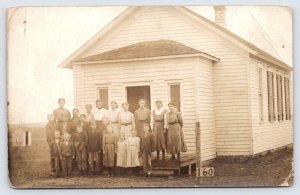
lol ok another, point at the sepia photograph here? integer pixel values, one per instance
(150, 96)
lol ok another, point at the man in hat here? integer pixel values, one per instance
(60, 114)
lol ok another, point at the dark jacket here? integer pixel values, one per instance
(67, 150)
(55, 148)
(94, 140)
(147, 144)
(80, 140)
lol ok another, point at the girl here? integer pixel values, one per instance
(126, 120)
(133, 149)
(109, 145)
(121, 153)
(175, 139)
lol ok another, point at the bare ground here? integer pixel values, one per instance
(29, 168)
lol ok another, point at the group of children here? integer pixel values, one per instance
(102, 139)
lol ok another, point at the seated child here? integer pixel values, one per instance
(121, 154)
(67, 152)
(80, 139)
(147, 146)
(109, 145)
(50, 129)
(93, 148)
(55, 153)
(133, 149)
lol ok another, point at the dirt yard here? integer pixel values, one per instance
(29, 167)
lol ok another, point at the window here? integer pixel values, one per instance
(103, 96)
(271, 98)
(287, 99)
(175, 95)
(279, 98)
(260, 95)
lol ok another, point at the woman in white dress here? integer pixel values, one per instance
(114, 119)
(126, 121)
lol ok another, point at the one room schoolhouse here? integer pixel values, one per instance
(240, 94)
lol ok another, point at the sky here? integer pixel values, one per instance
(51, 34)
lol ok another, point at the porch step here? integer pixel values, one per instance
(162, 173)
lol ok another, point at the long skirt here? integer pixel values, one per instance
(126, 130)
(132, 156)
(159, 135)
(121, 155)
(116, 130)
(174, 138)
(109, 155)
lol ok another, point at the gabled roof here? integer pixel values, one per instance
(147, 49)
(223, 32)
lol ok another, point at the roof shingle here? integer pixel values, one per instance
(143, 50)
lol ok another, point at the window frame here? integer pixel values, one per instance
(287, 96)
(271, 111)
(175, 82)
(98, 87)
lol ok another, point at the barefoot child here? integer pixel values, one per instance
(147, 147)
(121, 154)
(55, 153)
(50, 129)
(80, 139)
(109, 145)
(133, 149)
(67, 152)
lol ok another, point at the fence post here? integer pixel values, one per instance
(198, 147)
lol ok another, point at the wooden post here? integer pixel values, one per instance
(198, 146)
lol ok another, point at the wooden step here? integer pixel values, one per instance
(162, 173)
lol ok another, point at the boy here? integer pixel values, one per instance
(146, 148)
(93, 148)
(55, 153)
(67, 152)
(80, 139)
(61, 113)
(83, 123)
(50, 129)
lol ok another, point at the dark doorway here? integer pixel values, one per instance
(135, 93)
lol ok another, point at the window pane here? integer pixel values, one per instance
(175, 95)
(103, 96)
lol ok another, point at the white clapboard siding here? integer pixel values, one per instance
(267, 135)
(144, 72)
(205, 98)
(229, 81)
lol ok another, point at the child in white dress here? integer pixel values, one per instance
(121, 154)
(133, 149)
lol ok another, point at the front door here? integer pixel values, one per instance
(135, 93)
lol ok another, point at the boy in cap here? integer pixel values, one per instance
(67, 152)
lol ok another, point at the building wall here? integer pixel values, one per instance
(268, 135)
(230, 74)
(157, 74)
